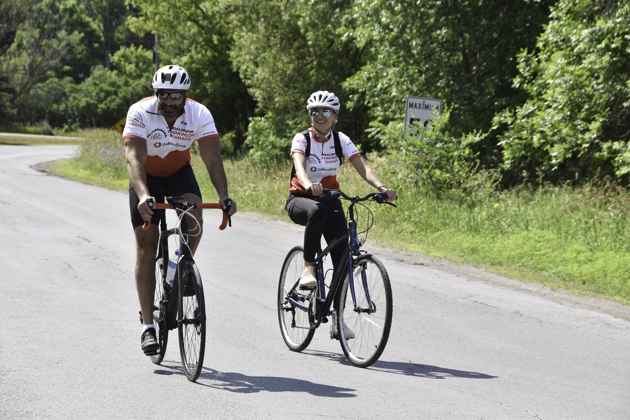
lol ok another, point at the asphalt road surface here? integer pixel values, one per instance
(459, 348)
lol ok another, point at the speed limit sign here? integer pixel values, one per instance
(420, 113)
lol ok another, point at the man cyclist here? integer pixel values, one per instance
(158, 135)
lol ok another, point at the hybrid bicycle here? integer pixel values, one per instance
(358, 297)
(180, 304)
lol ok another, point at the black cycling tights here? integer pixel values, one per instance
(319, 216)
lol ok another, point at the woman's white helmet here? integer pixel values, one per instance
(323, 98)
(171, 77)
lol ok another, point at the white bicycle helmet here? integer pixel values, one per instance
(323, 98)
(171, 77)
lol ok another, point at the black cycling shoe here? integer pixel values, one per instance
(149, 343)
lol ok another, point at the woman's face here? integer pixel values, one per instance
(323, 119)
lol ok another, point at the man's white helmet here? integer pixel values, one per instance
(323, 98)
(171, 77)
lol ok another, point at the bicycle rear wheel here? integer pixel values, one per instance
(371, 319)
(191, 321)
(294, 324)
(161, 332)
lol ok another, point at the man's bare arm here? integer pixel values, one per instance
(210, 152)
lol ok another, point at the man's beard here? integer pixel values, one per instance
(174, 113)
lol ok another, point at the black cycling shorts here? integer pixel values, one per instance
(176, 185)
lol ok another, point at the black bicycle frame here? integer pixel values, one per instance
(172, 295)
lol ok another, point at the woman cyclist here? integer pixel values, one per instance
(316, 155)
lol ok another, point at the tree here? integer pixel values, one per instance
(460, 51)
(576, 121)
(285, 51)
(110, 16)
(43, 48)
(195, 35)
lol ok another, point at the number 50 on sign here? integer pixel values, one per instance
(420, 113)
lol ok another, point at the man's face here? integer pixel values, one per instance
(171, 101)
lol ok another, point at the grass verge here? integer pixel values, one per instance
(37, 140)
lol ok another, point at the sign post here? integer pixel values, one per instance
(420, 112)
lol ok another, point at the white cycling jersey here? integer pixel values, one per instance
(322, 164)
(168, 150)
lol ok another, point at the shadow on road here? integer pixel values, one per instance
(405, 368)
(237, 382)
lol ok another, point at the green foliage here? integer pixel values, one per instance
(284, 51)
(433, 160)
(577, 120)
(459, 51)
(265, 145)
(196, 35)
(103, 152)
(104, 98)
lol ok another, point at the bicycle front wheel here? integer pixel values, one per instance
(368, 315)
(161, 332)
(191, 322)
(293, 303)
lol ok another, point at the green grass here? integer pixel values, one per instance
(26, 140)
(568, 238)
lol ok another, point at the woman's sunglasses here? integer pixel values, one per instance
(325, 113)
(174, 95)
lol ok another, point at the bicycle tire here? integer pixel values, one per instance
(161, 332)
(371, 329)
(294, 322)
(191, 323)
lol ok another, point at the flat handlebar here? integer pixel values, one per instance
(378, 197)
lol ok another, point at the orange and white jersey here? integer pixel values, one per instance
(322, 164)
(168, 150)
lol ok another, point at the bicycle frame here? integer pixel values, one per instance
(170, 310)
(351, 254)
(185, 255)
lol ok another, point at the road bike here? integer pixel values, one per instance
(358, 297)
(181, 304)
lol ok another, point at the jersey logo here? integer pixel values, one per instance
(157, 134)
(313, 160)
(135, 116)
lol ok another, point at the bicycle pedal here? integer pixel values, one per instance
(307, 287)
(151, 353)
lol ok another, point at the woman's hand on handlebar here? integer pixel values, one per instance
(391, 194)
(316, 189)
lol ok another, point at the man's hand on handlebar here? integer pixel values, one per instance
(228, 205)
(145, 207)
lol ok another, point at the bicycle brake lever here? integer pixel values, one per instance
(147, 223)
(228, 207)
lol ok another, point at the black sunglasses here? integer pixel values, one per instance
(174, 95)
(325, 113)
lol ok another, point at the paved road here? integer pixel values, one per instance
(459, 349)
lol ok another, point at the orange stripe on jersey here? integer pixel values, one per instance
(131, 136)
(173, 162)
(212, 136)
